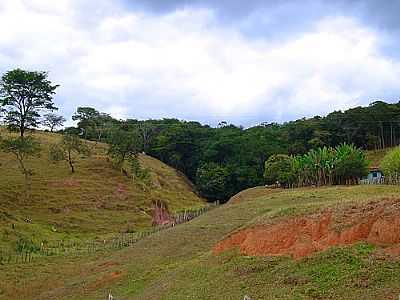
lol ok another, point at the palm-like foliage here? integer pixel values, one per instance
(322, 166)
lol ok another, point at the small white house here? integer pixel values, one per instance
(375, 175)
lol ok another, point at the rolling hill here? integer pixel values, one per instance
(182, 262)
(94, 202)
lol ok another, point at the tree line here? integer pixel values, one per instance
(221, 160)
(226, 159)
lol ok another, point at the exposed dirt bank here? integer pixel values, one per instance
(377, 223)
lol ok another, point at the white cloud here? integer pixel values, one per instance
(133, 64)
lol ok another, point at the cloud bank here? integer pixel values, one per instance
(183, 61)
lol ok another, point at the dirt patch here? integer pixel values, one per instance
(160, 214)
(121, 191)
(65, 183)
(106, 280)
(393, 251)
(377, 223)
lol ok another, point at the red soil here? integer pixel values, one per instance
(106, 280)
(377, 223)
(121, 191)
(160, 215)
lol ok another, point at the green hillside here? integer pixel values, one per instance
(375, 156)
(96, 201)
(179, 263)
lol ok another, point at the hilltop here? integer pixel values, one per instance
(96, 201)
(182, 262)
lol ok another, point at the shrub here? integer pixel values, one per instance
(390, 164)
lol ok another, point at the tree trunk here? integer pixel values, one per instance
(70, 162)
(383, 137)
(27, 185)
(391, 134)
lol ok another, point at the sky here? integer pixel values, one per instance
(244, 62)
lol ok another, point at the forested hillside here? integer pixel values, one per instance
(225, 160)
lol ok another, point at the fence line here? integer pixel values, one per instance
(382, 180)
(372, 181)
(28, 253)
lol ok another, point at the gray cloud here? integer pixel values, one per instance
(244, 62)
(277, 20)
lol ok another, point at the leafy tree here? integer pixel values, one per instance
(24, 95)
(351, 164)
(123, 145)
(390, 165)
(66, 150)
(278, 168)
(22, 149)
(53, 121)
(92, 123)
(146, 130)
(138, 172)
(179, 144)
(211, 180)
(71, 131)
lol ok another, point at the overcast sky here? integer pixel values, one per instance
(208, 60)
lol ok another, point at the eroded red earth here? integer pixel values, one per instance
(376, 222)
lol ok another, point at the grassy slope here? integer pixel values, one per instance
(178, 264)
(95, 201)
(375, 156)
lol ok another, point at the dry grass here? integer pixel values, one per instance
(95, 201)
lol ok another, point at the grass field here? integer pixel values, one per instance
(94, 202)
(178, 263)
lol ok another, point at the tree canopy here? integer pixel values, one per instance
(322, 150)
(53, 121)
(23, 95)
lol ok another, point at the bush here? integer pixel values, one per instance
(390, 164)
(211, 181)
(278, 168)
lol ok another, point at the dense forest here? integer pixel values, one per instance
(224, 160)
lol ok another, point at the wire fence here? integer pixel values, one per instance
(30, 252)
(381, 180)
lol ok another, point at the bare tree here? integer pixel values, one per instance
(66, 150)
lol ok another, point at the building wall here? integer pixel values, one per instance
(375, 175)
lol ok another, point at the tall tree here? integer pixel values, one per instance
(124, 145)
(24, 95)
(53, 121)
(92, 123)
(146, 130)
